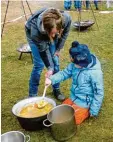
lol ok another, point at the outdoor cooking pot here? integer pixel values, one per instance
(14, 136)
(62, 122)
(35, 123)
(83, 25)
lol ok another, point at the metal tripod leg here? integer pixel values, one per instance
(5, 18)
(20, 56)
(94, 15)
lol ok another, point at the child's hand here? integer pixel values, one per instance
(47, 82)
(49, 73)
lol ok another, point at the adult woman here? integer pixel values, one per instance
(46, 32)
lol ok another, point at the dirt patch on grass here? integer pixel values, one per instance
(15, 7)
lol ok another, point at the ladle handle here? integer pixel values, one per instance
(44, 91)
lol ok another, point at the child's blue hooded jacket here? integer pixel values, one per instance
(87, 85)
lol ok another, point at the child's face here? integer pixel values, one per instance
(77, 66)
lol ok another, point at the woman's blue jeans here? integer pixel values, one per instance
(39, 66)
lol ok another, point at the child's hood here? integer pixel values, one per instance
(95, 64)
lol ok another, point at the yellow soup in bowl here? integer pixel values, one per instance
(32, 110)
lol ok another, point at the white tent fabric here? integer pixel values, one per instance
(109, 3)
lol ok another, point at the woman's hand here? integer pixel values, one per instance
(57, 53)
(48, 73)
(47, 82)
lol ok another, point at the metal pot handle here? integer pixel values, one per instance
(27, 137)
(44, 123)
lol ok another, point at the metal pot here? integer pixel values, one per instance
(62, 122)
(14, 136)
(30, 124)
(83, 25)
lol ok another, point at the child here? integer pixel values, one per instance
(87, 82)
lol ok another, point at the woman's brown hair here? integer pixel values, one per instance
(52, 18)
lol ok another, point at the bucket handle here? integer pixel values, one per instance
(47, 125)
(27, 138)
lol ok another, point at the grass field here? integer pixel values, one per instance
(15, 76)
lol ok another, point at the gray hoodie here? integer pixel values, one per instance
(36, 33)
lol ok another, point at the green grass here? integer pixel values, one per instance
(16, 73)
